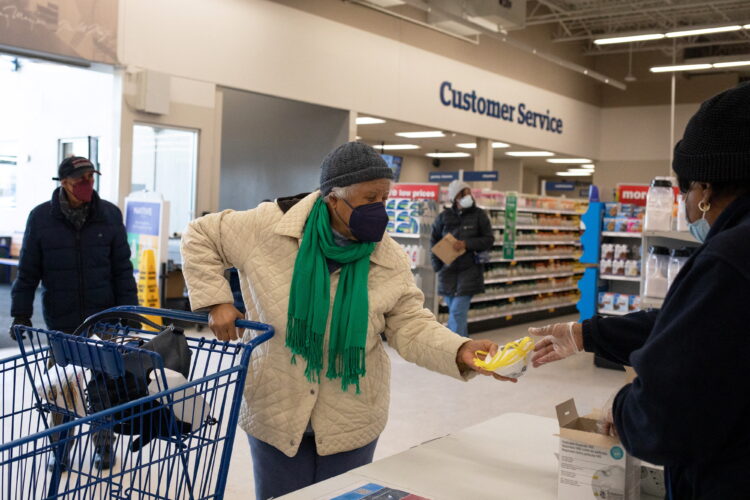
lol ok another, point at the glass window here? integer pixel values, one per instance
(164, 161)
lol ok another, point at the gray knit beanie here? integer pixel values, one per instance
(352, 163)
(455, 187)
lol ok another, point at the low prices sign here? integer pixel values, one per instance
(635, 194)
(416, 191)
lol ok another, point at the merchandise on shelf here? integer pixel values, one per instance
(487, 310)
(623, 217)
(677, 259)
(529, 268)
(656, 281)
(660, 204)
(618, 303)
(620, 260)
(407, 216)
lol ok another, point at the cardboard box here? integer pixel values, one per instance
(444, 250)
(593, 465)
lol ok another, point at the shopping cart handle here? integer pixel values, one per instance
(189, 316)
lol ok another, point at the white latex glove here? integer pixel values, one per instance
(606, 423)
(559, 341)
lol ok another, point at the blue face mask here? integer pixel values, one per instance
(699, 229)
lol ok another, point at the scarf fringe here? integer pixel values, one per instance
(300, 340)
(349, 365)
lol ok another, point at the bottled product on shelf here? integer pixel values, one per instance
(660, 202)
(656, 280)
(677, 259)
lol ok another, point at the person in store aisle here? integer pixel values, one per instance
(317, 393)
(464, 277)
(76, 246)
(687, 409)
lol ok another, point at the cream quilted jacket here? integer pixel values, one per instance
(279, 401)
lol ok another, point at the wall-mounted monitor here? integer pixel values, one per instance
(395, 163)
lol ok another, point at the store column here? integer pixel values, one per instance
(511, 175)
(483, 160)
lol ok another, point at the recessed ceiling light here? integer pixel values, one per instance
(703, 31)
(529, 153)
(583, 171)
(421, 135)
(628, 39)
(573, 174)
(368, 120)
(590, 166)
(569, 160)
(359, 138)
(395, 147)
(473, 145)
(448, 155)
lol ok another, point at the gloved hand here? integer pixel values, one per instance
(560, 341)
(19, 321)
(606, 423)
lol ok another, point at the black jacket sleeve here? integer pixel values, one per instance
(615, 338)
(437, 235)
(690, 397)
(485, 239)
(126, 292)
(29, 272)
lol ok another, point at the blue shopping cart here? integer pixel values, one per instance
(165, 404)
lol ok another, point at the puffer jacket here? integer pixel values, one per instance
(82, 271)
(463, 276)
(279, 401)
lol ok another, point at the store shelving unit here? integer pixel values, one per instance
(669, 239)
(515, 293)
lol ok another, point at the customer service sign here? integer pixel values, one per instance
(516, 112)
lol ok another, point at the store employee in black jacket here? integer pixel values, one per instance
(689, 407)
(76, 245)
(464, 277)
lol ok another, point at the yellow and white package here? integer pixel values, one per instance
(510, 361)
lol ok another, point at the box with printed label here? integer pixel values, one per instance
(593, 465)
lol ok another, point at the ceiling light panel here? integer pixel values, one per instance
(368, 120)
(448, 155)
(577, 161)
(629, 39)
(529, 154)
(421, 135)
(679, 67)
(395, 147)
(703, 31)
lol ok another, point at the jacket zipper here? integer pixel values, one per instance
(79, 268)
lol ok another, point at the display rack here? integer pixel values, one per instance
(668, 239)
(540, 278)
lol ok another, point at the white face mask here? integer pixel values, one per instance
(466, 202)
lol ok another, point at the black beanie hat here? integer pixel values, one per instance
(716, 144)
(352, 163)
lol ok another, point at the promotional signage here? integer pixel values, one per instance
(481, 175)
(442, 176)
(635, 194)
(509, 235)
(416, 191)
(145, 223)
(520, 113)
(560, 186)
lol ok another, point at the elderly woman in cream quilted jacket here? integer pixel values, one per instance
(321, 271)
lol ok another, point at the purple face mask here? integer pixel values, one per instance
(368, 222)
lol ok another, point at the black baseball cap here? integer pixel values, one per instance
(74, 166)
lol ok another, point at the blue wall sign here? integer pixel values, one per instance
(481, 175)
(560, 186)
(443, 176)
(519, 114)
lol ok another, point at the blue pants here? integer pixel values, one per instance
(458, 305)
(277, 474)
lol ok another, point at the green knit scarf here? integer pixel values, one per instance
(309, 302)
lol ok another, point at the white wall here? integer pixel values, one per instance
(41, 104)
(264, 47)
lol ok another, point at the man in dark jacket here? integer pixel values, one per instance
(464, 277)
(76, 245)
